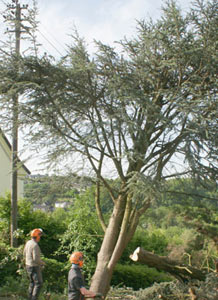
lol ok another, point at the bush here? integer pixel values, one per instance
(12, 267)
(137, 276)
(14, 287)
(83, 233)
(151, 241)
(10, 262)
(55, 276)
(5, 206)
(52, 227)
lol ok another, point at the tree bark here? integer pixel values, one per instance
(162, 263)
(101, 279)
(119, 232)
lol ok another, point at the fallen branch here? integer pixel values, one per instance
(162, 263)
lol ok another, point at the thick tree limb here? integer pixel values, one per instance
(98, 207)
(163, 263)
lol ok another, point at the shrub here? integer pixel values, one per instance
(137, 276)
(55, 276)
(52, 227)
(12, 267)
(10, 262)
(14, 287)
(151, 241)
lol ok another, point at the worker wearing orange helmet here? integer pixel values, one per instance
(34, 264)
(76, 285)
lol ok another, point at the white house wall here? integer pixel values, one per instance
(5, 171)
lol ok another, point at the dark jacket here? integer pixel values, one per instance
(75, 283)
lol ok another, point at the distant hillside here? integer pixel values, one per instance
(48, 190)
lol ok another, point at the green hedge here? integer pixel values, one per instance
(11, 266)
(55, 276)
(137, 276)
(10, 262)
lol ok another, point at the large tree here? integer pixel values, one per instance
(144, 114)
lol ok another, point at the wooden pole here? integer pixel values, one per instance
(14, 181)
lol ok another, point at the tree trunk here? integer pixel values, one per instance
(102, 277)
(119, 232)
(163, 263)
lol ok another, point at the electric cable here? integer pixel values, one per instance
(53, 37)
(49, 42)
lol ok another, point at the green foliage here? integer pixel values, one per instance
(5, 208)
(83, 232)
(14, 287)
(53, 230)
(137, 276)
(162, 230)
(135, 110)
(164, 112)
(53, 227)
(189, 192)
(174, 234)
(12, 269)
(160, 216)
(50, 189)
(11, 262)
(53, 224)
(153, 240)
(55, 275)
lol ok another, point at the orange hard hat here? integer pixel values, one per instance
(36, 233)
(77, 258)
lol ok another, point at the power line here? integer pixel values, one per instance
(52, 36)
(49, 42)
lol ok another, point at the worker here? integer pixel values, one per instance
(76, 285)
(34, 264)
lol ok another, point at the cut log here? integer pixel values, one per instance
(163, 263)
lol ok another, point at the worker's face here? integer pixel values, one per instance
(38, 238)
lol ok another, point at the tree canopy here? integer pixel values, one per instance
(144, 114)
(138, 111)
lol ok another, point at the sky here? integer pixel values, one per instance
(102, 20)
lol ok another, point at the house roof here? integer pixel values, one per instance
(10, 148)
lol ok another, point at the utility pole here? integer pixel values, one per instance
(14, 16)
(15, 8)
(14, 158)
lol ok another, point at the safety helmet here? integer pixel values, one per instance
(36, 233)
(77, 258)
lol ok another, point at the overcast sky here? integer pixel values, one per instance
(104, 20)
